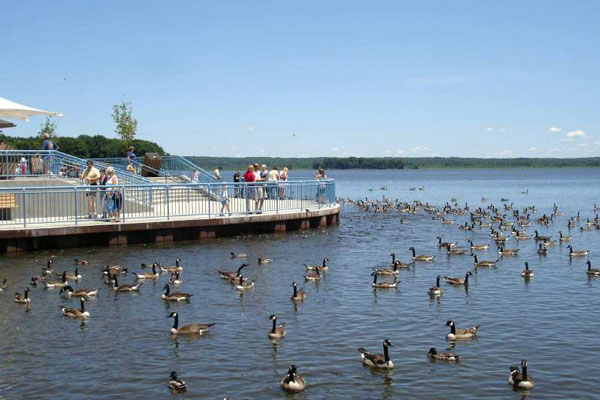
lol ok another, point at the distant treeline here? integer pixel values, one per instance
(231, 163)
(86, 146)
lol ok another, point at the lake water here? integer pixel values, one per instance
(125, 349)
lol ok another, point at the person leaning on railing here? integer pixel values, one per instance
(91, 176)
(321, 186)
(48, 144)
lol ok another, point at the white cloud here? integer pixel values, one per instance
(501, 130)
(387, 152)
(400, 152)
(574, 134)
(489, 129)
(417, 149)
(554, 129)
(334, 149)
(533, 148)
(250, 128)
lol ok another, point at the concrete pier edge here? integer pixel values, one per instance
(49, 237)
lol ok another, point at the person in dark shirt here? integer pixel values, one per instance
(48, 144)
(236, 188)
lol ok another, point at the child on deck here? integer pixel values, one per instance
(224, 198)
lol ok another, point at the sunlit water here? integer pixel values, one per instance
(125, 349)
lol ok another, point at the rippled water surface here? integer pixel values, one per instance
(125, 349)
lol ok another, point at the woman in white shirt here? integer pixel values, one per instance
(115, 199)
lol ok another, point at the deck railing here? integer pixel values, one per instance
(26, 206)
(52, 163)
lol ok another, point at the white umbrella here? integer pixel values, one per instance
(10, 109)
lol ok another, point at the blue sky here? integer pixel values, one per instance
(366, 78)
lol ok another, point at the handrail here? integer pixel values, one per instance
(54, 162)
(178, 165)
(122, 162)
(150, 202)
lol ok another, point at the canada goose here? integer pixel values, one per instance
(81, 262)
(147, 275)
(238, 255)
(482, 246)
(188, 329)
(115, 270)
(564, 238)
(126, 288)
(75, 313)
(527, 273)
(384, 285)
(483, 263)
(459, 281)
(455, 251)
(176, 385)
(71, 276)
(460, 334)
(434, 355)
(299, 294)
(59, 284)
(323, 267)
(232, 274)
(549, 243)
(23, 298)
(436, 290)
(380, 361)
(541, 238)
(507, 252)
(172, 268)
(445, 244)
(265, 260)
(542, 250)
(420, 257)
(48, 270)
(520, 380)
(313, 275)
(292, 382)
(277, 331)
(390, 271)
(592, 271)
(174, 296)
(175, 279)
(4, 284)
(244, 284)
(79, 292)
(577, 253)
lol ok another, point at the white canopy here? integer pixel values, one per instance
(10, 109)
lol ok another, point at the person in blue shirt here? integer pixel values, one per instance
(48, 144)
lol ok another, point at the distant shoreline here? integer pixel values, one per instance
(398, 163)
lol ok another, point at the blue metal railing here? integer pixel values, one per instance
(121, 163)
(19, 163)
(151, 202)
(180, 166)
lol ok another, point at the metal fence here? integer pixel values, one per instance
(25, 206)
(52, 163)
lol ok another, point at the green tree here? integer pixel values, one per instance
(126, 125)
(48, 127)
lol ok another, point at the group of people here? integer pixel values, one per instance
(111, 199)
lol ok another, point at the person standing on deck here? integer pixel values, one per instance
(91, 176)
(217, 173)
(283, 177)
(48, 144)
(236, 187)
(249, 178)
(103, 197)
(272, 185)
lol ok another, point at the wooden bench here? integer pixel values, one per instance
(7, 203)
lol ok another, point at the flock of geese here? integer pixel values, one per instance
(504, 223)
